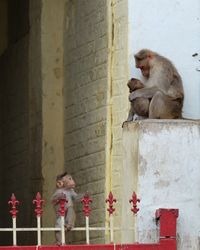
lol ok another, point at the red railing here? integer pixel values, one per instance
(166, 219)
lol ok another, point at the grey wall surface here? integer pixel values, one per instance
(20, 121)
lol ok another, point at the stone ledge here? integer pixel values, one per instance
(161, 121)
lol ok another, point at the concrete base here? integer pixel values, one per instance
(162, 164)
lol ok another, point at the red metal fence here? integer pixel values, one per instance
(166, 218)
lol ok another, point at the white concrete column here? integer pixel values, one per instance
(162, 165)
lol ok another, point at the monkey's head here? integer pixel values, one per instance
(143, 61)
(68, 182)
(134, 84)
(59, 180)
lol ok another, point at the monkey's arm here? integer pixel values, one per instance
(145, 93)
(57, 196)
(76, 197)
(70, 218)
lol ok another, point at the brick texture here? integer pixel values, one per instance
(86, 76)
(96, 72)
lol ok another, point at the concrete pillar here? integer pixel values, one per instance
(161, 163)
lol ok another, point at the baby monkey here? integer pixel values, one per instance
(65, 190)
(140, 106)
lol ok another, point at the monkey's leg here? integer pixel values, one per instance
(58, 238)
(130, 114)
(141, 107)
(164, 107)
(70, 218)
(58, 233)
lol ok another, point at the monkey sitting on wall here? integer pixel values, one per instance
(140, 106)
(163, 85)
(65, 190)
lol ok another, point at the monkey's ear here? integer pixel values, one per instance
(59, 184)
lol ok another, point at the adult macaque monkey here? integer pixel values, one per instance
(163, 85)
(140, 106)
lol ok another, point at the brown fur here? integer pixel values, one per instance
(140, 106)
(163, 85)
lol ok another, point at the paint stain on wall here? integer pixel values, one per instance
(161, 184)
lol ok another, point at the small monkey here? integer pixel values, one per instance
(140, 106)
(65, 190)
(163, 85)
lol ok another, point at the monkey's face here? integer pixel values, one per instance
(68, 182)
(145, 71)
(132, 84)
(143, 65)
(142, 61)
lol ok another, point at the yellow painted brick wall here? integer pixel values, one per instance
(96, 100)
(86, 77)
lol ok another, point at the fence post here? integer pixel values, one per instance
(167, 219)
(86, 200)
(111, 200)
(14, 202)
(38, 211)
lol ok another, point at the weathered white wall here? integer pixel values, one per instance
(165, 173)
(172, 29)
